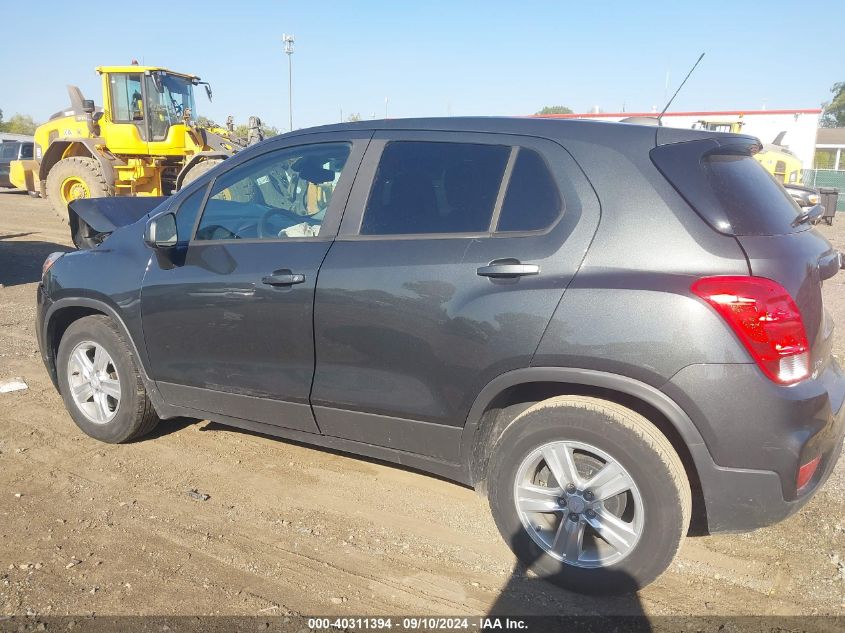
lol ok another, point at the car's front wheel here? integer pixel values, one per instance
(100, 382)
(589, 494)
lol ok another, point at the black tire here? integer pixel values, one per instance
(85, 169)
(134, 415)
(635, 444)
(199, 169)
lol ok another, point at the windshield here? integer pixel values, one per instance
(8, 151)
(169, 98)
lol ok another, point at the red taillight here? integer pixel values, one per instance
(766, 320)
(806, 472)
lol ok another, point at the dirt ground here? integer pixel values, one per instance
(89, 528)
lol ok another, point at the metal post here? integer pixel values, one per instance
(288, 40)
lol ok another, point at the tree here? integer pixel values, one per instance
(834, 112)
(554, 110)
(18, 124)
(355, 116)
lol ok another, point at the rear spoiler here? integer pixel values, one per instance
(93, 219)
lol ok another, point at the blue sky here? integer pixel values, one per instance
(433, 58)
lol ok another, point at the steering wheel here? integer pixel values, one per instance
(265, 229)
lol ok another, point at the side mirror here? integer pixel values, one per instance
(161, 231)
(88, 106)
(97, 116)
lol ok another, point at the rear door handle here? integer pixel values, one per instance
(504, 268)
(283, 278)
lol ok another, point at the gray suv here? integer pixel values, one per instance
(609, 329)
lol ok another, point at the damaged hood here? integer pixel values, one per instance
(93, 219)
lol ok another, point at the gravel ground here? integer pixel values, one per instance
(89, 528)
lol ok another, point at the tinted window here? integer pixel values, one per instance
(283, 194)
(754, 202)
(423, 187)
(8, 151)
(532, 201)
(26, 150)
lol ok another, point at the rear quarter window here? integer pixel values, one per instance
(532, 202)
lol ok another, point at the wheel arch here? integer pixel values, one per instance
(66, 311)
(86, 147)
(508, 395)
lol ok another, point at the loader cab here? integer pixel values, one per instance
(149, 109)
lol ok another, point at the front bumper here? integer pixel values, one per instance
(756, 437)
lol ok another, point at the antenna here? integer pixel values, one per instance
(679, 88)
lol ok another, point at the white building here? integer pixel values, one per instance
(799, 126)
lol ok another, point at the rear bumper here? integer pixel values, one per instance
(757, 435)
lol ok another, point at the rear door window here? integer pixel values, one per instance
(435, 188)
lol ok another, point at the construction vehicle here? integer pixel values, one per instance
(143, 141)
(774, 157)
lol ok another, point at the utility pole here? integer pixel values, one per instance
(288, 40)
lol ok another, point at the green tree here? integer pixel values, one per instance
(834, 111)
(2, 125)
(20, 124)
(554, 110)
(355, 116)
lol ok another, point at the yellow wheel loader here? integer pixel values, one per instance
(785, 166)
(143, 141)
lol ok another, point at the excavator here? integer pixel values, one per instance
(143, 141)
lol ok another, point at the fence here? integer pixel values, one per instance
(827, 178)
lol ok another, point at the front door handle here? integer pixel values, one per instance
(504, 268)
(283, 278)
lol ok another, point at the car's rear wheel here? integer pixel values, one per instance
(100, 382)
(589, 494)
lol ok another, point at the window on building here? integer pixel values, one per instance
(825, 159)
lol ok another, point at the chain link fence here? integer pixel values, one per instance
(827, 178)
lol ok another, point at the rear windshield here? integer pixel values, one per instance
(752, 199)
